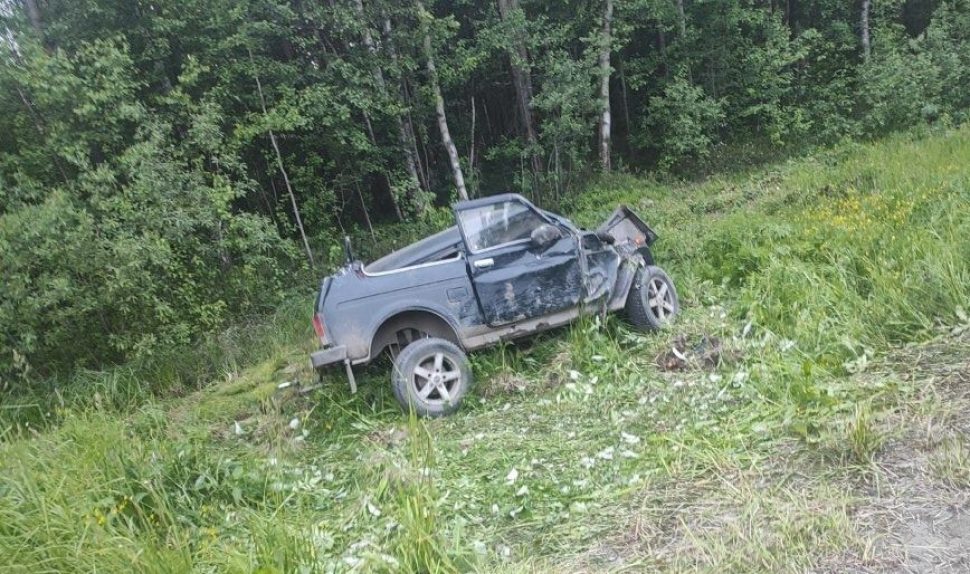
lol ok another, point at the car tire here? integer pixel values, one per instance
(431, 376)
(644, 308)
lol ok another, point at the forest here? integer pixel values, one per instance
(171, 167)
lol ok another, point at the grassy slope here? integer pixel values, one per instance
(576, 451)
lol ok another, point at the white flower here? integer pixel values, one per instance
(629, 438)
(295, 423)
(606, 453)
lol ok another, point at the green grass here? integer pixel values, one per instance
(575, 452)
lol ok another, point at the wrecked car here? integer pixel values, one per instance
(506, 270)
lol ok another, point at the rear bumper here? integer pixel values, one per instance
(328, 356)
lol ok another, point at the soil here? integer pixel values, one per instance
(924, 513)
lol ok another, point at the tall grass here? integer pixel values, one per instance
(817, 266)
(869, 252)
(167, 372)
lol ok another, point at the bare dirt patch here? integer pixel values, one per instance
(919, 511)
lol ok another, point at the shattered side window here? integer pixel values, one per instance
(498, 223)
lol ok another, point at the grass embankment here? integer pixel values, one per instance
(801, 433)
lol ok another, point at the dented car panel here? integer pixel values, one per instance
(520, 282)
(506, 270)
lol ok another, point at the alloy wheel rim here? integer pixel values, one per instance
(435, 379)
(660, 299)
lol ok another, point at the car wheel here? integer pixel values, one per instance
(431, 376)
(652, 302)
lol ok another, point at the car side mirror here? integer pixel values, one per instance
(545, 235)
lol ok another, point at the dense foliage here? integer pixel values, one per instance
(163, 164)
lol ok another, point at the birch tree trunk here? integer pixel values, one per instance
(866, 43)
(605, 116)
(279, 163)
(522, 80)
(439, 106)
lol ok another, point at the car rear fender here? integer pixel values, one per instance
(426, 319)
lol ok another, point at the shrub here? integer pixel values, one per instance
(682, 124)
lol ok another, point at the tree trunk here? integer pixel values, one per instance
(363, 205)
(279, 163)
(439, 106)
(471, 144)
(33, 14)
(413, 180)
(623, 97)
(384, 174)
(682, 24)
(412, 138)
(605, 117)
(681, 18)
(522, 80)
(866, 44)
(662, 43)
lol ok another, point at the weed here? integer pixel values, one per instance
(864, 439)
(950, 462)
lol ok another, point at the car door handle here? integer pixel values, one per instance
(483, 263)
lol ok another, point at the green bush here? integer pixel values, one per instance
(682, 124)
(127, 243)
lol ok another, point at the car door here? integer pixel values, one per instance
(515, 277)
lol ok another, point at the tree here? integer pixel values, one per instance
(605, 70)
(404, 141)
(279, 163)
(522, 78)
(439, 102)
